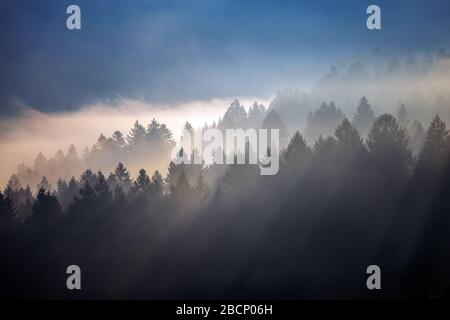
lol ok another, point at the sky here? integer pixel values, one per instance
(173, 52)
(186, 60)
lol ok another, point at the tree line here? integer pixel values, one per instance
(338, 205)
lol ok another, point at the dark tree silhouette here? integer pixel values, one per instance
(364, 117)
(388, 147)
(323, 121)
(337, 205)
(123, 177)
(274, 121)
(157, 184)
(298, 154)
(85, 201)
(46, 209)
(435, 147)
(104, 195)
(142, 184)
(7, 213)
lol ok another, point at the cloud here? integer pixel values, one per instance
(178, 51)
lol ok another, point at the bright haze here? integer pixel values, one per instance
(180, 61)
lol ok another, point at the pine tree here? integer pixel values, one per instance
(40, 163)
(388, 146)
(273, 121)
(119, 140)
(153, 132)
(324, 148)
(72, 164)
(7, 214)
(101, 142)
(21, 198)
(187, 137)
(13, 183)
(123, 177)
(25, 173)
(173, 172)
(435, 147)
(88, 176)
(104, 194)
(159, 136)
(136, 135)
(142, 183)
(72, 155)
(157, 184)
(348, 138)
(44, 184)
(364, 117)
(62, 190)
(72, 188)
(428, 208)
(323, 121)
(350, 155)
(12, 190)
(60, 158)
(46, 209)
(167, 136)
(256, 115)
(61, 186)
(188, 127)
(234, 117)
(85, 201)
(112, 181)
(87, 192)
(298, 153)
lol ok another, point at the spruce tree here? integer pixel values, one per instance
(435, 147)
(364, 117)
(123, 177)
(46, 209)
(136, 135)
(103, 193)
(298, 153)
(142, 183)
(388, 146)
(157, 184)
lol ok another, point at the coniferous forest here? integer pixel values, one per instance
(376, 191)
(314, 139)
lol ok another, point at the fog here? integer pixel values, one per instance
(424, 87)
(420, 82)
(24, 136)
(357, 191)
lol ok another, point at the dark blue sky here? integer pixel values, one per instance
(174, 51)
